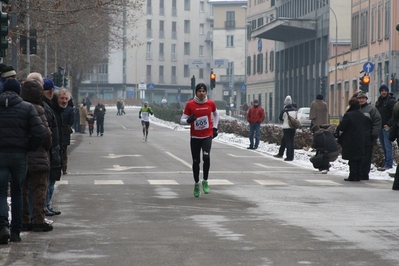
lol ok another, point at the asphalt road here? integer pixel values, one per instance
(130, 202)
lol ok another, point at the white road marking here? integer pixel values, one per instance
(270, 182)
(178, 159)
(113, 156)
(122, 168)
(108, 182)
(162, 182)
(219, 182)
(244, 156)
(62, 182)
(324, 182)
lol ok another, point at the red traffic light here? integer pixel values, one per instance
(366, 80)
(391, 81)
(213, 76)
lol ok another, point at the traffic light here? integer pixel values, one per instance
(394, 82)
(213, 80)
(3, 33)
(323, 85)
(364, 83)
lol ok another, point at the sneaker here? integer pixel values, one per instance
(205, 187)
(47, 212)
(250, 148)
(44, 227)
(15, 237)
(255, 147)
(324, 171)
(197, 190)
(278, 156)
(287, 159)
(102, 134)
(4, 235)
(48, 221)
(53, 211)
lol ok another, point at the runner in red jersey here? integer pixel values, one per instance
(203, 116)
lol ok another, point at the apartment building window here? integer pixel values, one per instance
(186, 48)
(162, 29)
(173, 52)
(230, 68)
(355, 31)
(201, 73)
(201, 50)
(148, 53)
(249, 29)
(363, 28)
(230, 41)
(148, 74)
(201, 29)
(248, 66)
(161, 7)
(187, 5)
(259, 67)
(254, 65)
(379, 22)
(253, 24)
(266, 62)
(387, 19)
(186, 71)
(161, 51)
(260, 21)
(372, 29)
(161, 75)
(230, 19)
(149, 28)
(201, 7)
(149, 7)
(271, 67)
(174, 31)
(174, 8)
(173, 77)
(187, 26)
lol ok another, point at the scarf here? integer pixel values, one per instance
(197, 100)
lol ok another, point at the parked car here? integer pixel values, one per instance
(303, 116)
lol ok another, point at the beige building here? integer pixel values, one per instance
(373, 39)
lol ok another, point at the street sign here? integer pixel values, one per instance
(220, 63)
(368, 67)
(142, 86)
(230, 85)
(197, 63)
(243, 87)
(150, 86)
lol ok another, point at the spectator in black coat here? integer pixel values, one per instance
(21, 130)
(352, 138)
(68, 118)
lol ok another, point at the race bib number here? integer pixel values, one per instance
(201, 123)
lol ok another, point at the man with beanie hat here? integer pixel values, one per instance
(385, 105)
(203, 117)
(21, 130)
(8, 72)
(318, 113)
(372, 129)
(255, 117)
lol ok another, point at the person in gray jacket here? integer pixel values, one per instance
(21, 130)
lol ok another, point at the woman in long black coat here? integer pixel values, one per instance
(352, 138)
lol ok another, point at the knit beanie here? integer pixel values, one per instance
(8, 71)
(319, 97)
(12, 85)
(384, 87)
(200, 86)
(288, 100)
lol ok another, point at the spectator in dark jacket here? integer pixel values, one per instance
(99, 114)
(385, 105)
(21, 129)
(325, 145)
(352, 138)
(372, 129)
(289, 133)
(38, 166)
(68, 118)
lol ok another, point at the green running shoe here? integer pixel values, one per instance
(197, 190)
(205, 187)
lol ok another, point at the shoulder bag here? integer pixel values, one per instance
(293, 122)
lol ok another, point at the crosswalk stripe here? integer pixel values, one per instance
(62, 182)
(270, 182)
(108, 182)
(324, 182)
(163, 182)
(219, 182)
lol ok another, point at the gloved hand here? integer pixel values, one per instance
(215, 132)
(336, 134)
(191, 119)
(140, 116)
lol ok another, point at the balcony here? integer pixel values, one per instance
(286, 29)
(225, 79)
(229, 24)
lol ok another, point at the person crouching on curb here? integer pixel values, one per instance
(203, 117)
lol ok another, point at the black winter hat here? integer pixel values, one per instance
(12, 85)
(200, 86)
(319, 97)
(384, 87)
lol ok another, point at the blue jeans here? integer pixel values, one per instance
(386, 145)
(13, 167)
(50, 191)
(254, 128)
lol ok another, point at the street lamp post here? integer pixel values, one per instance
(136, 59)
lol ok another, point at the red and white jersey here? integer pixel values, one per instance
(202, 127)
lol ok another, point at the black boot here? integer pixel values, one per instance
(395, 185)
